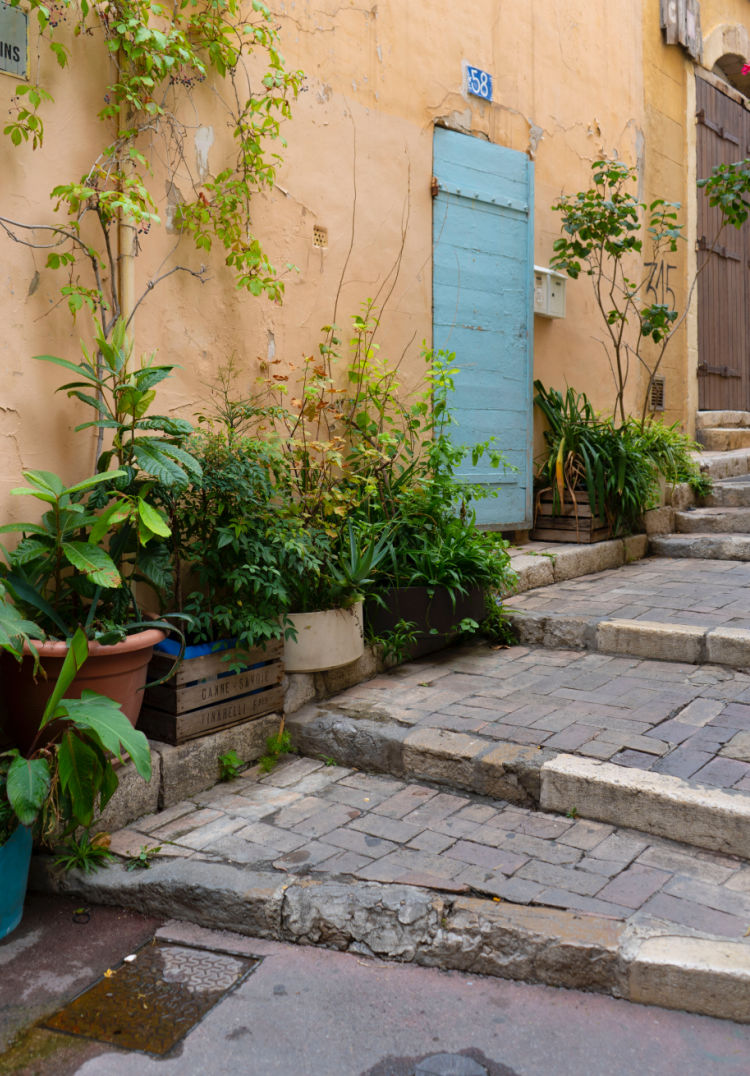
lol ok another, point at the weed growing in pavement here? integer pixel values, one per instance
(230, 766)
(142, 861)
(276, 747)
(84, 853)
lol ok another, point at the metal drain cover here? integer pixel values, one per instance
(153, 999)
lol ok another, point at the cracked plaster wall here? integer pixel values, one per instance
(572, 80)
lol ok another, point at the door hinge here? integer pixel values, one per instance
(705, 368)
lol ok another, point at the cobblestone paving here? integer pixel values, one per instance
(307, 817)
(708, 593)
(691, 721)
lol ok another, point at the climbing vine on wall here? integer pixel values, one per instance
(159, 55)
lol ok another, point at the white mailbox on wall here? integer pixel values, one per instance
(549, 292)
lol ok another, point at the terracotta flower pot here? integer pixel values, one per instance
(118, 671)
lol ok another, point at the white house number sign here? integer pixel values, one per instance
(14, 40)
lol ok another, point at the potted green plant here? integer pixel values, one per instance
(374, 478)
(98, 539)
(66, 774)
(596, 479)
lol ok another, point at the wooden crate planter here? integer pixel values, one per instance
(204, 695)
(569, 523)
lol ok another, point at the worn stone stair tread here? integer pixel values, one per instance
(722, 520)
(686, 809)
(723, 439)
(726, 464)
(729, 493)
(538, 564)
(707, 546)
(708, 419)
(667, 925)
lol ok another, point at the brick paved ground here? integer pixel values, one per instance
(691, 721)
(709, 593)
(308, 817)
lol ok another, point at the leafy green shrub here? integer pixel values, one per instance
(616, 467)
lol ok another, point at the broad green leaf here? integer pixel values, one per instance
(110, 518)
(96, 565)
(78, 651)
(32, 528)
(153, 519)
(104, 717)
(45, 480)
(136, 402)
(184, 458)
(80, 772)
(77, 368)
(27, 787)
(153, 460)
(27, 594)
(95, 480)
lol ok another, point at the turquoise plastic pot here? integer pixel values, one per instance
(15, 857)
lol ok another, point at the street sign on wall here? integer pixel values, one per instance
(14, 40)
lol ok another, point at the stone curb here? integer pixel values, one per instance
(713, 520)
(180, 772)
(658, 804)
(702, 546)
(506, 771)
(654, 803)
(433, 929)
(695, 644)
(556, 563)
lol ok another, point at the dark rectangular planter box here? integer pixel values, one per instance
(431, 609)
(204, 695)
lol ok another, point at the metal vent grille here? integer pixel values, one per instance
(320, 236)
(657, 394)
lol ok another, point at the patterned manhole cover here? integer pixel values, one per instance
(153, 999)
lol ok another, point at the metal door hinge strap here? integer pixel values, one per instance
(722, 132)
(703, 244)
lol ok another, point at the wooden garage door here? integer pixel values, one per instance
(723, 136)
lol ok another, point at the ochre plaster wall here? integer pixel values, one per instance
(573, 81)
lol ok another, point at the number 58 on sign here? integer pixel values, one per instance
(478, 82)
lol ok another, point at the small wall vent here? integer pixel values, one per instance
(320, 236)
(657, 394)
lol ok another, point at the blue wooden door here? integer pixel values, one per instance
(482, 309)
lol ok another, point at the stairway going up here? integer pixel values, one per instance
(719, 529)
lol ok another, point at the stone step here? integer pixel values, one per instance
(329, 855)
(729, 493)
(713, 521)
(724, 464)
(708, 419)
(657, 640)
(702, 546)
(538, 564)
(720, 439)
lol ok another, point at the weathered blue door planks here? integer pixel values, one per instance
(482, 309)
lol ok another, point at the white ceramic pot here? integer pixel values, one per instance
(325, 640)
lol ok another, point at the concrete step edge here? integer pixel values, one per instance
(732, 419)
(694, 644)
(698, 815)
(727, 464)
(540, 564)
(719, 545)
(650, 964)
